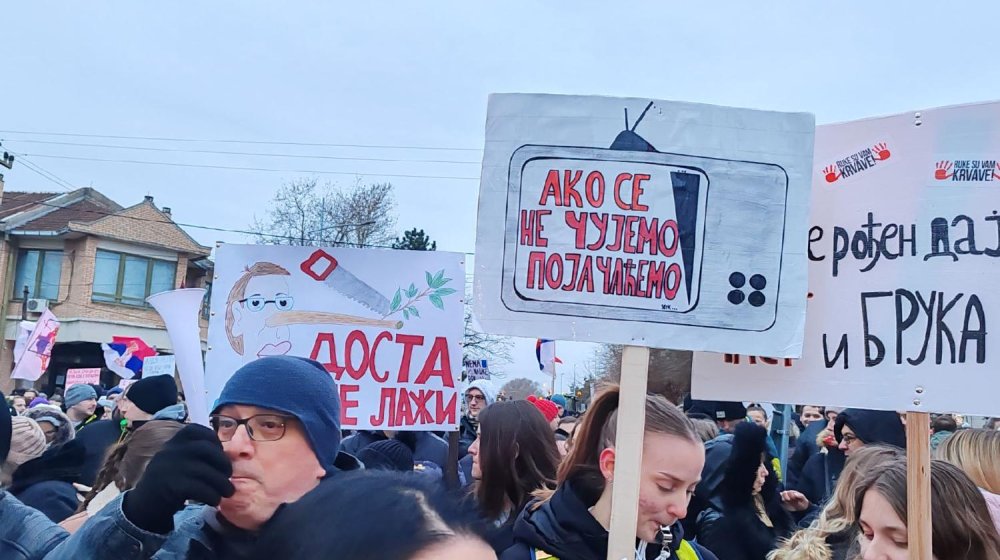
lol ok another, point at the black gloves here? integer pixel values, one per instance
(191, 466)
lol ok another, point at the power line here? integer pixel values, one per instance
(35, 168)
(232, 141)
(239, 168)
(233, 153)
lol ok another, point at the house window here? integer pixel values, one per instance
(128, 279)
(40, 271)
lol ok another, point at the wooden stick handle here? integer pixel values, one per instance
(918, 485)
(322, 318)
(628, 453)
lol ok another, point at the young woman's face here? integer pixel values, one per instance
(758, 483)
(758, 418)
(883, 533)
(671, 468)
(477, 472)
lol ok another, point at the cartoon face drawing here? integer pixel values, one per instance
(260, 293)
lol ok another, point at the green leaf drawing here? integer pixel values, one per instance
(443, 292)
(411, 291)
(414, 312)
(406, 314)
(436, 301)
(438, 277)
(430, 279)
(396, 300)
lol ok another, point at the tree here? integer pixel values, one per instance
(478, 345)
(415, 240)
(303, 212)
(669, 370)
(520, 388)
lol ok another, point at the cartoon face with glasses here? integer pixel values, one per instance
(259, 294)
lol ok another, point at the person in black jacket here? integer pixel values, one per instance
(571, 523)
(754, 514)
(514, 455)
(425, 445)
(46, 483)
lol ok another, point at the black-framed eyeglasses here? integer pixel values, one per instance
(848, 439)
(473, 398)
(260, 427)
(257, 303)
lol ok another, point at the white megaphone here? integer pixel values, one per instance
(180, 309)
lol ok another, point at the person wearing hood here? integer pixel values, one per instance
(571, 522)
(275, 435)
(478, 395)
(57, 427)
(754, 513)
(560, 402)
(46, 482)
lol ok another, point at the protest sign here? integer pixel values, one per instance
(476, 369)
(158, 365)
(77, 376)
(34, 359)
(901, 287)
(387, 324)
(642, 222)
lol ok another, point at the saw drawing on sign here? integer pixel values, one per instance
(435, 292)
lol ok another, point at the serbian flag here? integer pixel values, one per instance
(37, 349)
(545, 352)
(125, 354)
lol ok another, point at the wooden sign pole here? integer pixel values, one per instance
(918, 485)
(628, 453)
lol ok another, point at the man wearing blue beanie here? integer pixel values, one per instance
(275, 434)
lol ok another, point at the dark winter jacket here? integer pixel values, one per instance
(46, 483)
(564, 527)
(820, 475)
(872, 426)
(425, 445)
(466, 435)
(707, 492)
(805, 448)
(97, 438)
(465, 471)
(736, 532)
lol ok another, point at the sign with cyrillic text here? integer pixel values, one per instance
(642, 222)
(903, 248)
(386, 324)
(79, 376)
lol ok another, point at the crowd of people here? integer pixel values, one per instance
(122, 474)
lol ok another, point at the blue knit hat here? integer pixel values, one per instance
(77, 394)
(559, 400)
(296, 386)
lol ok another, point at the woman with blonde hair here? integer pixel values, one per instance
(977, 452)
(832, 536)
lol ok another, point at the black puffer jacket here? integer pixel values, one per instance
(46, 483)
(425, 445)
(805, 448)
(736, 532)
(564, 527)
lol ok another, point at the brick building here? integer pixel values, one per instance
(92, 262)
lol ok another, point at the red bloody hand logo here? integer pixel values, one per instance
(881, 151)
(831, 174)
(942, 170)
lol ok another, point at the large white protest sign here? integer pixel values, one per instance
(902, 287)
(643, 222)
(78, 376)
(386, 324)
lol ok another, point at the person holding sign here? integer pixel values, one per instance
(962, 524)
(571, 522)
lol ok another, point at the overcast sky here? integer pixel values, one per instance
(417, 74)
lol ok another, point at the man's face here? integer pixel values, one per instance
(476, 402)
(561, 410)
(85, 408)
(129, 411)
(30, 396)
(264, 297)
(18, 405)
(266, 474)
(810, 414)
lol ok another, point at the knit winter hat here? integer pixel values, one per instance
(153, 394)
(37, 401)
(547, 408)
(296, 386)
(27, 441)
(77, 394)
(559, 400)
(387, 455)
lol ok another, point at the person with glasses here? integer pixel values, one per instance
(275, 435)
(478, 395)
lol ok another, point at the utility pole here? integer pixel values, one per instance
(23, 383)
(24, 304)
